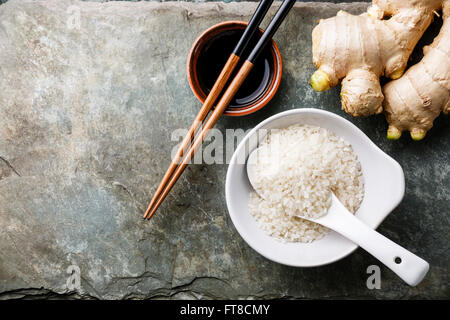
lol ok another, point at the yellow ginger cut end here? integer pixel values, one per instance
(393, 133)
(418, 134)
(397, 73)
(320, 81)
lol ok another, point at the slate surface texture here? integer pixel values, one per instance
(87, 111)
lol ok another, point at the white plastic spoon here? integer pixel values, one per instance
(411, 268)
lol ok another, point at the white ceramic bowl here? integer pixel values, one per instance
(383, 180)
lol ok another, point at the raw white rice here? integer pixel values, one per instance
(295, 171)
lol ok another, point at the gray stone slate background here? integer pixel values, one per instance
(86, 116)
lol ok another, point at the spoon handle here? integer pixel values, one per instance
(411, 268)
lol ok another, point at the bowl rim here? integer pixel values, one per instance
(269, 92)
(395, 201)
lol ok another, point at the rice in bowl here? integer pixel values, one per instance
(295, 171)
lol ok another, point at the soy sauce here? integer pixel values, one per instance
(215, 54)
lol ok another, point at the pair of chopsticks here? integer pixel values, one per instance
(184, 155)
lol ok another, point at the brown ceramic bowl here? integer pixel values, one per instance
(208, 56)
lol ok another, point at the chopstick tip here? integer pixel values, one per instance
(146, 212)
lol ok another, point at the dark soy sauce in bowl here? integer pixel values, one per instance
(215, 54)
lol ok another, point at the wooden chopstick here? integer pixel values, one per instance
(224, 101)
(207, 105)
(216, 90)
(220, 108)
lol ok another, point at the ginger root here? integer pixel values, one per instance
(416, 99)
(360, 49)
